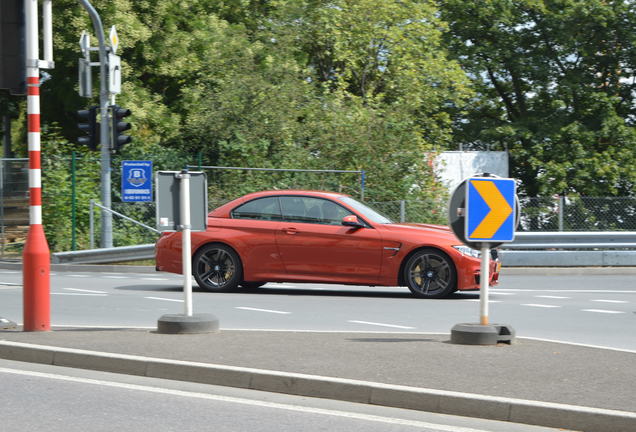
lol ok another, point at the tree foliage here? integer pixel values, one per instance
(555, 87)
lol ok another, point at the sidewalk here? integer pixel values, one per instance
(540, 383)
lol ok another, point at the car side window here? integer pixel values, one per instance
(260, 209)
(312, 210)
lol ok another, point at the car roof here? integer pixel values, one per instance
(224, 210)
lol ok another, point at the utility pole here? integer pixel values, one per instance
(107, 218)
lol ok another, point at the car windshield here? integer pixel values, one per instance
(366, 211)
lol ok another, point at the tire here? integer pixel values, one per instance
(429, 273)
(252, 285)
(217, 267)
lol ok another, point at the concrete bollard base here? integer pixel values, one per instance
(479, 334)
(183, 324)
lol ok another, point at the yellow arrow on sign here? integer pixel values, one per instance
(499, 209)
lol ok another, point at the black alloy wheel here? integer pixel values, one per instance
(217, 267)
(429, 273)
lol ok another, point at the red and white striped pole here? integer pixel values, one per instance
(36, 256)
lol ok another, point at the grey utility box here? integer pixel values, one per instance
(168, 192)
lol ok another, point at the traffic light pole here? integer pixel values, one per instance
(107, 218)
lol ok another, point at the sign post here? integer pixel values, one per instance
(182, 206)
(484, 213)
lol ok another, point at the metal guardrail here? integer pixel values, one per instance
(573, 240)
(571, 249)
(105, 255)
(556, 249)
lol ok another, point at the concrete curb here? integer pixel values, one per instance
(439, 401)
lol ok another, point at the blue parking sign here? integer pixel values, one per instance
(136, 181)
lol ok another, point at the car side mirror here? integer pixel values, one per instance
(352, 221)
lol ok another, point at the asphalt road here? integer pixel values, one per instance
(51, 398)
(593, 309)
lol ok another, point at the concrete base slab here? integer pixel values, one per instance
(479, 334)
(183, 324)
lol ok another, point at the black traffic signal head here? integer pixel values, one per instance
(12, 46)
(88, 124)
(117, 126)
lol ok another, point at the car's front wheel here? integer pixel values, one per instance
(217, 267)
(429, 273)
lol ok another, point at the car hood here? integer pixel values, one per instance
(437, 231)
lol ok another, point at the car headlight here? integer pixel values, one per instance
(468, 251)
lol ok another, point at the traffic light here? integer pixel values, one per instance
(90, 126)
(117, 126)
(12, 47)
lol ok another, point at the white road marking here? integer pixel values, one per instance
(380, 324)
(610, 301)
(250, 402)
(552, 297)
(262, 310)
(79, 275)
(86, 291)
(9, 271)
(476, 300)
(79, 294)
(603, 311)
(502, 293)
(540, 305)
(166, 299)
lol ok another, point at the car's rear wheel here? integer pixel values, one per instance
(429, 273)
(217, 267)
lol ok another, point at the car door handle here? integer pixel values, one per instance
(290, 231)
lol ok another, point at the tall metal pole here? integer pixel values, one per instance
(186, 244)
(36, 255)
(73, 204)
(107, 218)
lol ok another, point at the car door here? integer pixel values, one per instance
(252, 230)
(314, 245)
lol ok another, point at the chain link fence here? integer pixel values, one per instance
(558, 213)
(565, 213)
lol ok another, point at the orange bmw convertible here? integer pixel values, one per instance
(322, 237)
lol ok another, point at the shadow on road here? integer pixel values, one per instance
(336, 291)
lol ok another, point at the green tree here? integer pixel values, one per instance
(555, 87)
